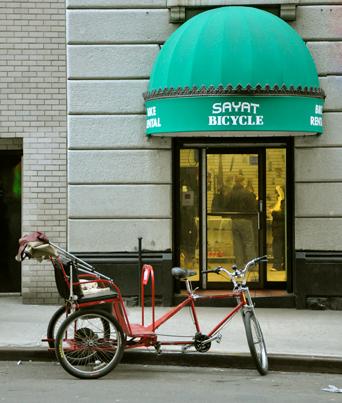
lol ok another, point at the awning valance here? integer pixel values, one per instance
(233, 69)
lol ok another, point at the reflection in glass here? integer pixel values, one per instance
(276, 214)
(189, 210)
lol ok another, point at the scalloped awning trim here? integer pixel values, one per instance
(238, 90)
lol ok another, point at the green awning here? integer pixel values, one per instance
(232, 69)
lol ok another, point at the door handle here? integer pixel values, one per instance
(260, 209)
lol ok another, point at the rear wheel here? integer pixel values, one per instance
(256, 341)
(89, 344)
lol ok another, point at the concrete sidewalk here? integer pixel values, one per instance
(296, 339)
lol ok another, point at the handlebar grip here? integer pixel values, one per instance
(261, 259)
(217, 270)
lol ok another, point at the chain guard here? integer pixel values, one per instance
(198, 343)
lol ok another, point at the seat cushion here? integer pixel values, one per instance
(103, 294)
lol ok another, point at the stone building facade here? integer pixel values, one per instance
(111, 48)
(120, 182)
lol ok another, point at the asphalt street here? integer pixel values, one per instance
(35, 382)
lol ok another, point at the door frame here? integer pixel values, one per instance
(255, 145)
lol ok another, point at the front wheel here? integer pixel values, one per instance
(256, 342)
(89, 344)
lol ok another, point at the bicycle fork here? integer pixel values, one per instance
(249, 305)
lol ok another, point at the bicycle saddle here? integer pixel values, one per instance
(179, 273)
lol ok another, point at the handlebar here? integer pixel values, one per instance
(255, 261)
(238, 273)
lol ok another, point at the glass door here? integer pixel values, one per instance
(189, 210)
(233, 210)
(232, 206)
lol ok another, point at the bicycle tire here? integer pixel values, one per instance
(256, 342)
(56, 320)
(89, 344)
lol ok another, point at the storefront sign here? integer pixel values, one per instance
(234, 113)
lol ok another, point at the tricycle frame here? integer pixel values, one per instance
(150, 338)
(106, 306)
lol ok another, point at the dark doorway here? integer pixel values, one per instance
(10, 220)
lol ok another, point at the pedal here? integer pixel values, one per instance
(218, 338)
(158, 348)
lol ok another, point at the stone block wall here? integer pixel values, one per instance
(318, 163)
(111, 48)
(119, 181)
(33, 119)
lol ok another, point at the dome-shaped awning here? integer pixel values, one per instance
(234, 68)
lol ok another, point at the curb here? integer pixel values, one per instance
(277, 362)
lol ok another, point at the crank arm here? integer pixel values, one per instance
(216, 338)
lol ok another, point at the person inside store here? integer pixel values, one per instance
(278, 230)
(221, 198)
(243, 206)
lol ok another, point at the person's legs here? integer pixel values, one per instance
(238, 243)
(278, 247)
(248, 240)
